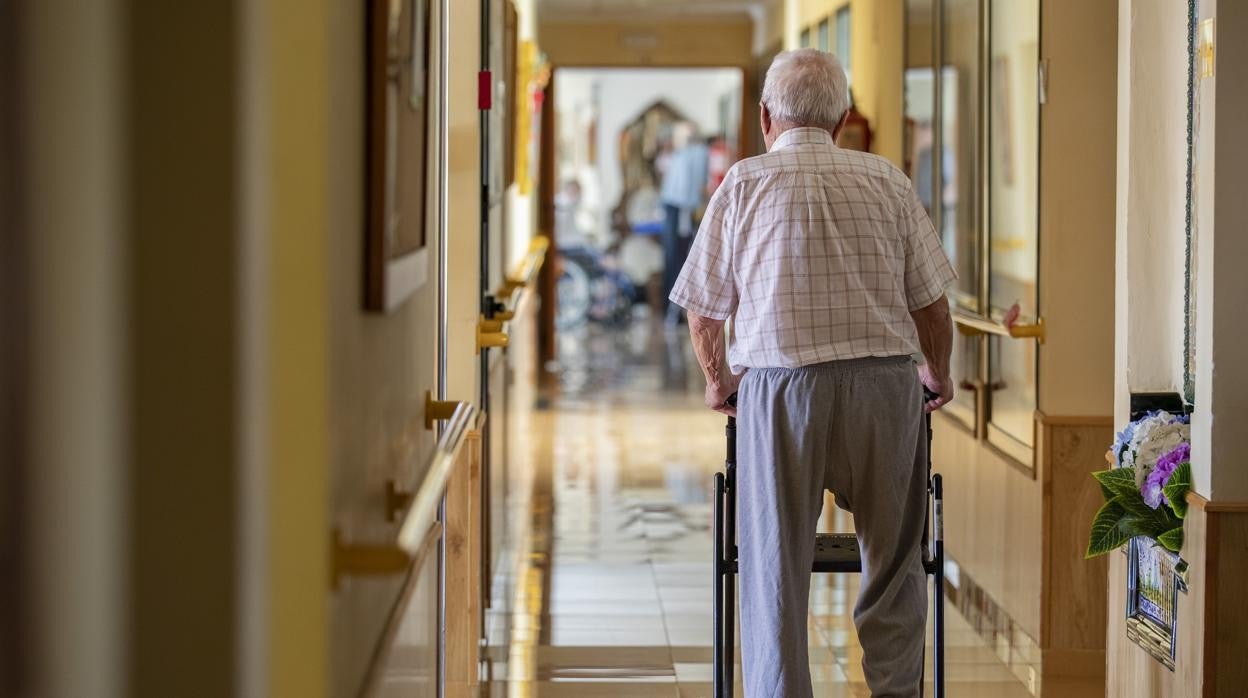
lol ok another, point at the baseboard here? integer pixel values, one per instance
(1014, 647)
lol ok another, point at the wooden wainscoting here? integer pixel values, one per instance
(1213, 618)
(463, 577)
(407, 661)
(1072, 614)
(992, 521)
(1019, 544)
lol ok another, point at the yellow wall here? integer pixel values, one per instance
(380, 364)
(878, 53)
(1011, 531)
(674, 42)
(464, 200)
(297, 126)
(1076, 374)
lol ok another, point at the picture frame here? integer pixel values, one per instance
(398, 108)
(1155, 577)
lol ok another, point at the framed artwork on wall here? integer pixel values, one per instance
(1155, 576)
(398, 107)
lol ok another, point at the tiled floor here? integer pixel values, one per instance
(610, 584)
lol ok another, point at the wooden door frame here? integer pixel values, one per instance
(14, 364)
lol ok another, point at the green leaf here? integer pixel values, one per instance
(1116, 481)
(1107, 531)
(1182, 475)
(1177, 487)
(1141, 520)
(1172, 539)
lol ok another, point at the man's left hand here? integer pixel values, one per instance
(717, 395)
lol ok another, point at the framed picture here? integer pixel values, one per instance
(1155, 576)
(398, 56)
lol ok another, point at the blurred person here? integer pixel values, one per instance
(924, 181)
(719, 159)
(683, 193)
(567, 209)
(834, 279)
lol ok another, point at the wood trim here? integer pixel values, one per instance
(547, 277)
(15, 314)
(395, 618)
(1073, 420)
(1063, 454)
(1207, 506)
(1209, 653)
(462, 563)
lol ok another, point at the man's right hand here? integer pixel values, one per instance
(940, 386)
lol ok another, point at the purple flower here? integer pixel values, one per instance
(1161, 474)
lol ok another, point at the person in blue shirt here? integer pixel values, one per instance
(683, 194)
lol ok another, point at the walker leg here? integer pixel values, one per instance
(728, 658)
(938, 673)
(717, 642)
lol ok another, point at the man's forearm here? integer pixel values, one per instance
(935, 327)
(708, 345)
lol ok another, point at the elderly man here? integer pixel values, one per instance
(835, 281)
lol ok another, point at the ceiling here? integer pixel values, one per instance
(645, 9)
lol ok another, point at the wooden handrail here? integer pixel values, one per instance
(526, 271)
(363, 559)
(491, 331)
(424, 508)
(972, 325)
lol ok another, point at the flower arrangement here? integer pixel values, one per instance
(1145, 492)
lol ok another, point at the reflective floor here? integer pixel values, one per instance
(608, 591)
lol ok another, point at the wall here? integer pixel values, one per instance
(182, 139)
(671, 42)
(463, 200)
(291, 193)
(1151, 184)
(1019, 534)
(380, 364)
(1076, 290)
(521, 213)
(1222, 378)
(1150, 241)
(1152, 58)
(877, 56)
(70, 64)
(1212, 618)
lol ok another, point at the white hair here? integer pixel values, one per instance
(806, 87)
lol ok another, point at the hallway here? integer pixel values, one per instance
(335, 361)
(612, 582)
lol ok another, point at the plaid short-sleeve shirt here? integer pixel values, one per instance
(817, 254)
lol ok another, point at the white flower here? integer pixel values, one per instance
(1155, 436)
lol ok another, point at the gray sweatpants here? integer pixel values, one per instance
(854, 427)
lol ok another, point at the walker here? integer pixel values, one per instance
(835, 553)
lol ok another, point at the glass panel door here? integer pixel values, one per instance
(1013, 186)
(958, 178)
(959, 133)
